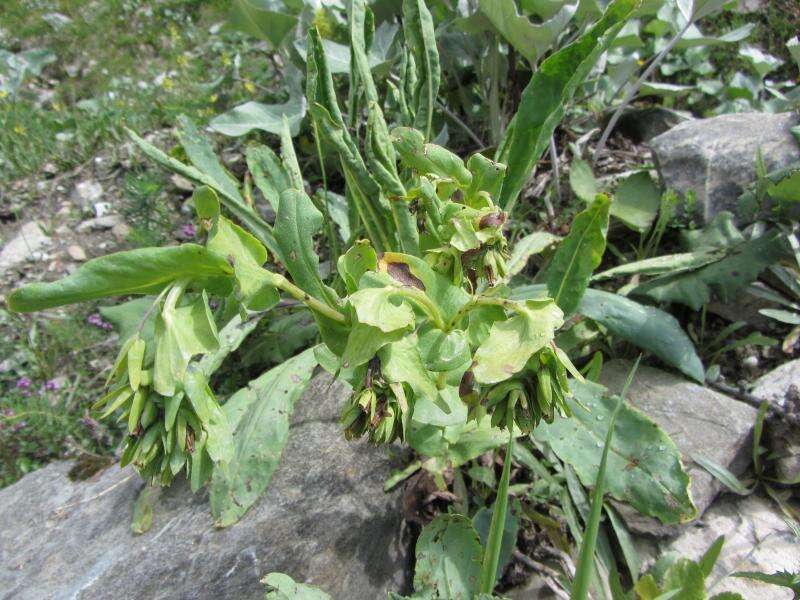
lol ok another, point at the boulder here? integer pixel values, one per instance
(699, 421)
(29, 240)
(757, 538)
(324, 520)
(717, 157)
(781, 388)
(643, 124)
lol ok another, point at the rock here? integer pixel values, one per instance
(88, 192)
(699, 421)
(751, 6)
(101, 209)
(781, 388)
(182, 183)
(643, 124)
(717, 157)
(26, 245)
(757, 538)
(99, 223)
(76, 253)
(324, 520)
(121, 231)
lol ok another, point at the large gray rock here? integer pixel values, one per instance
(29, 240)
(757, 538)
(699, 421)
(781, 388)
(324, 520)
(717, 157)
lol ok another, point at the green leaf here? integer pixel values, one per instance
(441, 351)
(578, 255)
(230, 197)
(142, 519)
(142, 271)
(709, 559)
(283, 587)
(544, 100)
(659, 265)
(401, 363)
(201, 154)
(359, 258)
(646, 327)
(421, 40)
(529, 39)
(531, 244)
(206, 202)
(382, 307)
(490, 567)
(512, 342)
(636, 202)
(741, 264)
(259, 415)
(644, 466)
(448, 558)
(582, 180)
(686, 577)
(297, 222)
(723, 475)
(482, 520)
(246, 117)
(219, 444)
(257, 18)
(781, 578)
(268, 173)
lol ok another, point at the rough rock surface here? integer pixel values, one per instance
(324, 520)
(757, 538)
(781, 387)
(29, 240)
(716, 157)
(699, 421)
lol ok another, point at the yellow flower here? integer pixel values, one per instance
(251, 89)
(213, 98)
(3, 94)
(183, 61)
(225, 59)
(57, 107)
(19, 129)
(168, 84)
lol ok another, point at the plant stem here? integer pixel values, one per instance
(280, 282)
(420, 299)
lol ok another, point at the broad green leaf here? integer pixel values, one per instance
(382, 307)
(578, 255)
(219, 443)
(512, 342)
(442, 409)
(544, 100)
(297, 222)
(143, 271)
(762, 62)
(442, 351)
(268, 173)
(582, 180)
(259, 19)
(283, 587)
(529, 39)
(644, 466)
(246, 117)
(531, 244)
(636, 202)
(741, 265)
(246, 254)
(646, 327)
(359, 259)
(259, 415)
(421, 40)
(206, 202)
(448, 557)
(401, 363)
(482, 521)
(364, 341)
(694, 37)
(686, 577)
(127, 317)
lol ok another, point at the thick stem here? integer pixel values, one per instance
(280, 282)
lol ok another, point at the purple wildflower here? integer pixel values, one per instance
(51, 385)
(189, 230)
(96, 320)
(23, 383)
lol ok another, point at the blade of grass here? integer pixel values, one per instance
(491, 555)
(585, 567)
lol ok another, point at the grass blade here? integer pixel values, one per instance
(491, 555)
(583, 573)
